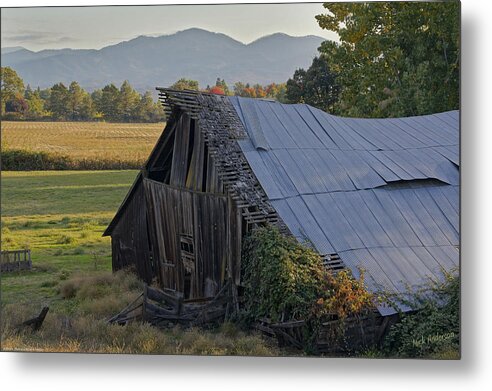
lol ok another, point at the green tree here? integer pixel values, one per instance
(296, 86)
(79, 103)
(12, 87)
(148, 110)
(35, 103)
(185, 84)
(44, 94)
(27, 91)
(87, 110)
(317, 86)
(128, 100)
(394, 58)
(58, 102)
(108, 104)
(96, 97)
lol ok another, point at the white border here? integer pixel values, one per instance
(91, 372)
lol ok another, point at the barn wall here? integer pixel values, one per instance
(180, 217)
(182, 160)
(129, 239)
(181, 202)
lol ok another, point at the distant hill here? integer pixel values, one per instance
(148, 62)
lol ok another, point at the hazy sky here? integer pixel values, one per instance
(96, 27)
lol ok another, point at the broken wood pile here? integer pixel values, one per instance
(334, 336)
(163, 309)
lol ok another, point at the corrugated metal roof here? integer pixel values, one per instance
(382, 193)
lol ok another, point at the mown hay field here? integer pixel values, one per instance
(83, 140)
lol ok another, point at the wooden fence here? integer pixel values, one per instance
(15, 260)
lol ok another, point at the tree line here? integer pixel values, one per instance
(73, 103)
(123, 104)
(276, 91)
(392, 60)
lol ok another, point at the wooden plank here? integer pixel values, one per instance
(179, 166)
(195, 172)
(161, 297)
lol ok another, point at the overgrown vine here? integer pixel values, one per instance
(285, 280)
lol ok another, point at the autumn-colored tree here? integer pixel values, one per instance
(216, 90)
(394, 58)
(222, 85)
(276, 91)
(239, 88)
(17, 105)
(244, 90)
(259, 91)
(272, 91)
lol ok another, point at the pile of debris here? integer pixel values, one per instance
(164, 309)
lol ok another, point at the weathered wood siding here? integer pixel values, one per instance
(209, 222)
(179, 224)
(129, 240)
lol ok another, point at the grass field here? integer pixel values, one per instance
(60, 216)
(83, 140)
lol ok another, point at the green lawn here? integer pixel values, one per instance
(60, 216)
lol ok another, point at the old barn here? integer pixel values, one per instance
(381, 194)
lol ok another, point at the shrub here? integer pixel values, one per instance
(433, 330)
(285, 280)
(282, 278)
(22, 160)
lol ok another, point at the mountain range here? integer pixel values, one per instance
(147, 62)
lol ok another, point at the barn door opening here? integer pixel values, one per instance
(187, 254)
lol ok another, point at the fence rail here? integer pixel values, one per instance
(15, 260)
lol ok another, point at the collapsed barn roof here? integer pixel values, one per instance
(378, 194)
(383, 194)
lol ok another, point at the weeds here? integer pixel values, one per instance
(99, 296)
(434, 330)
